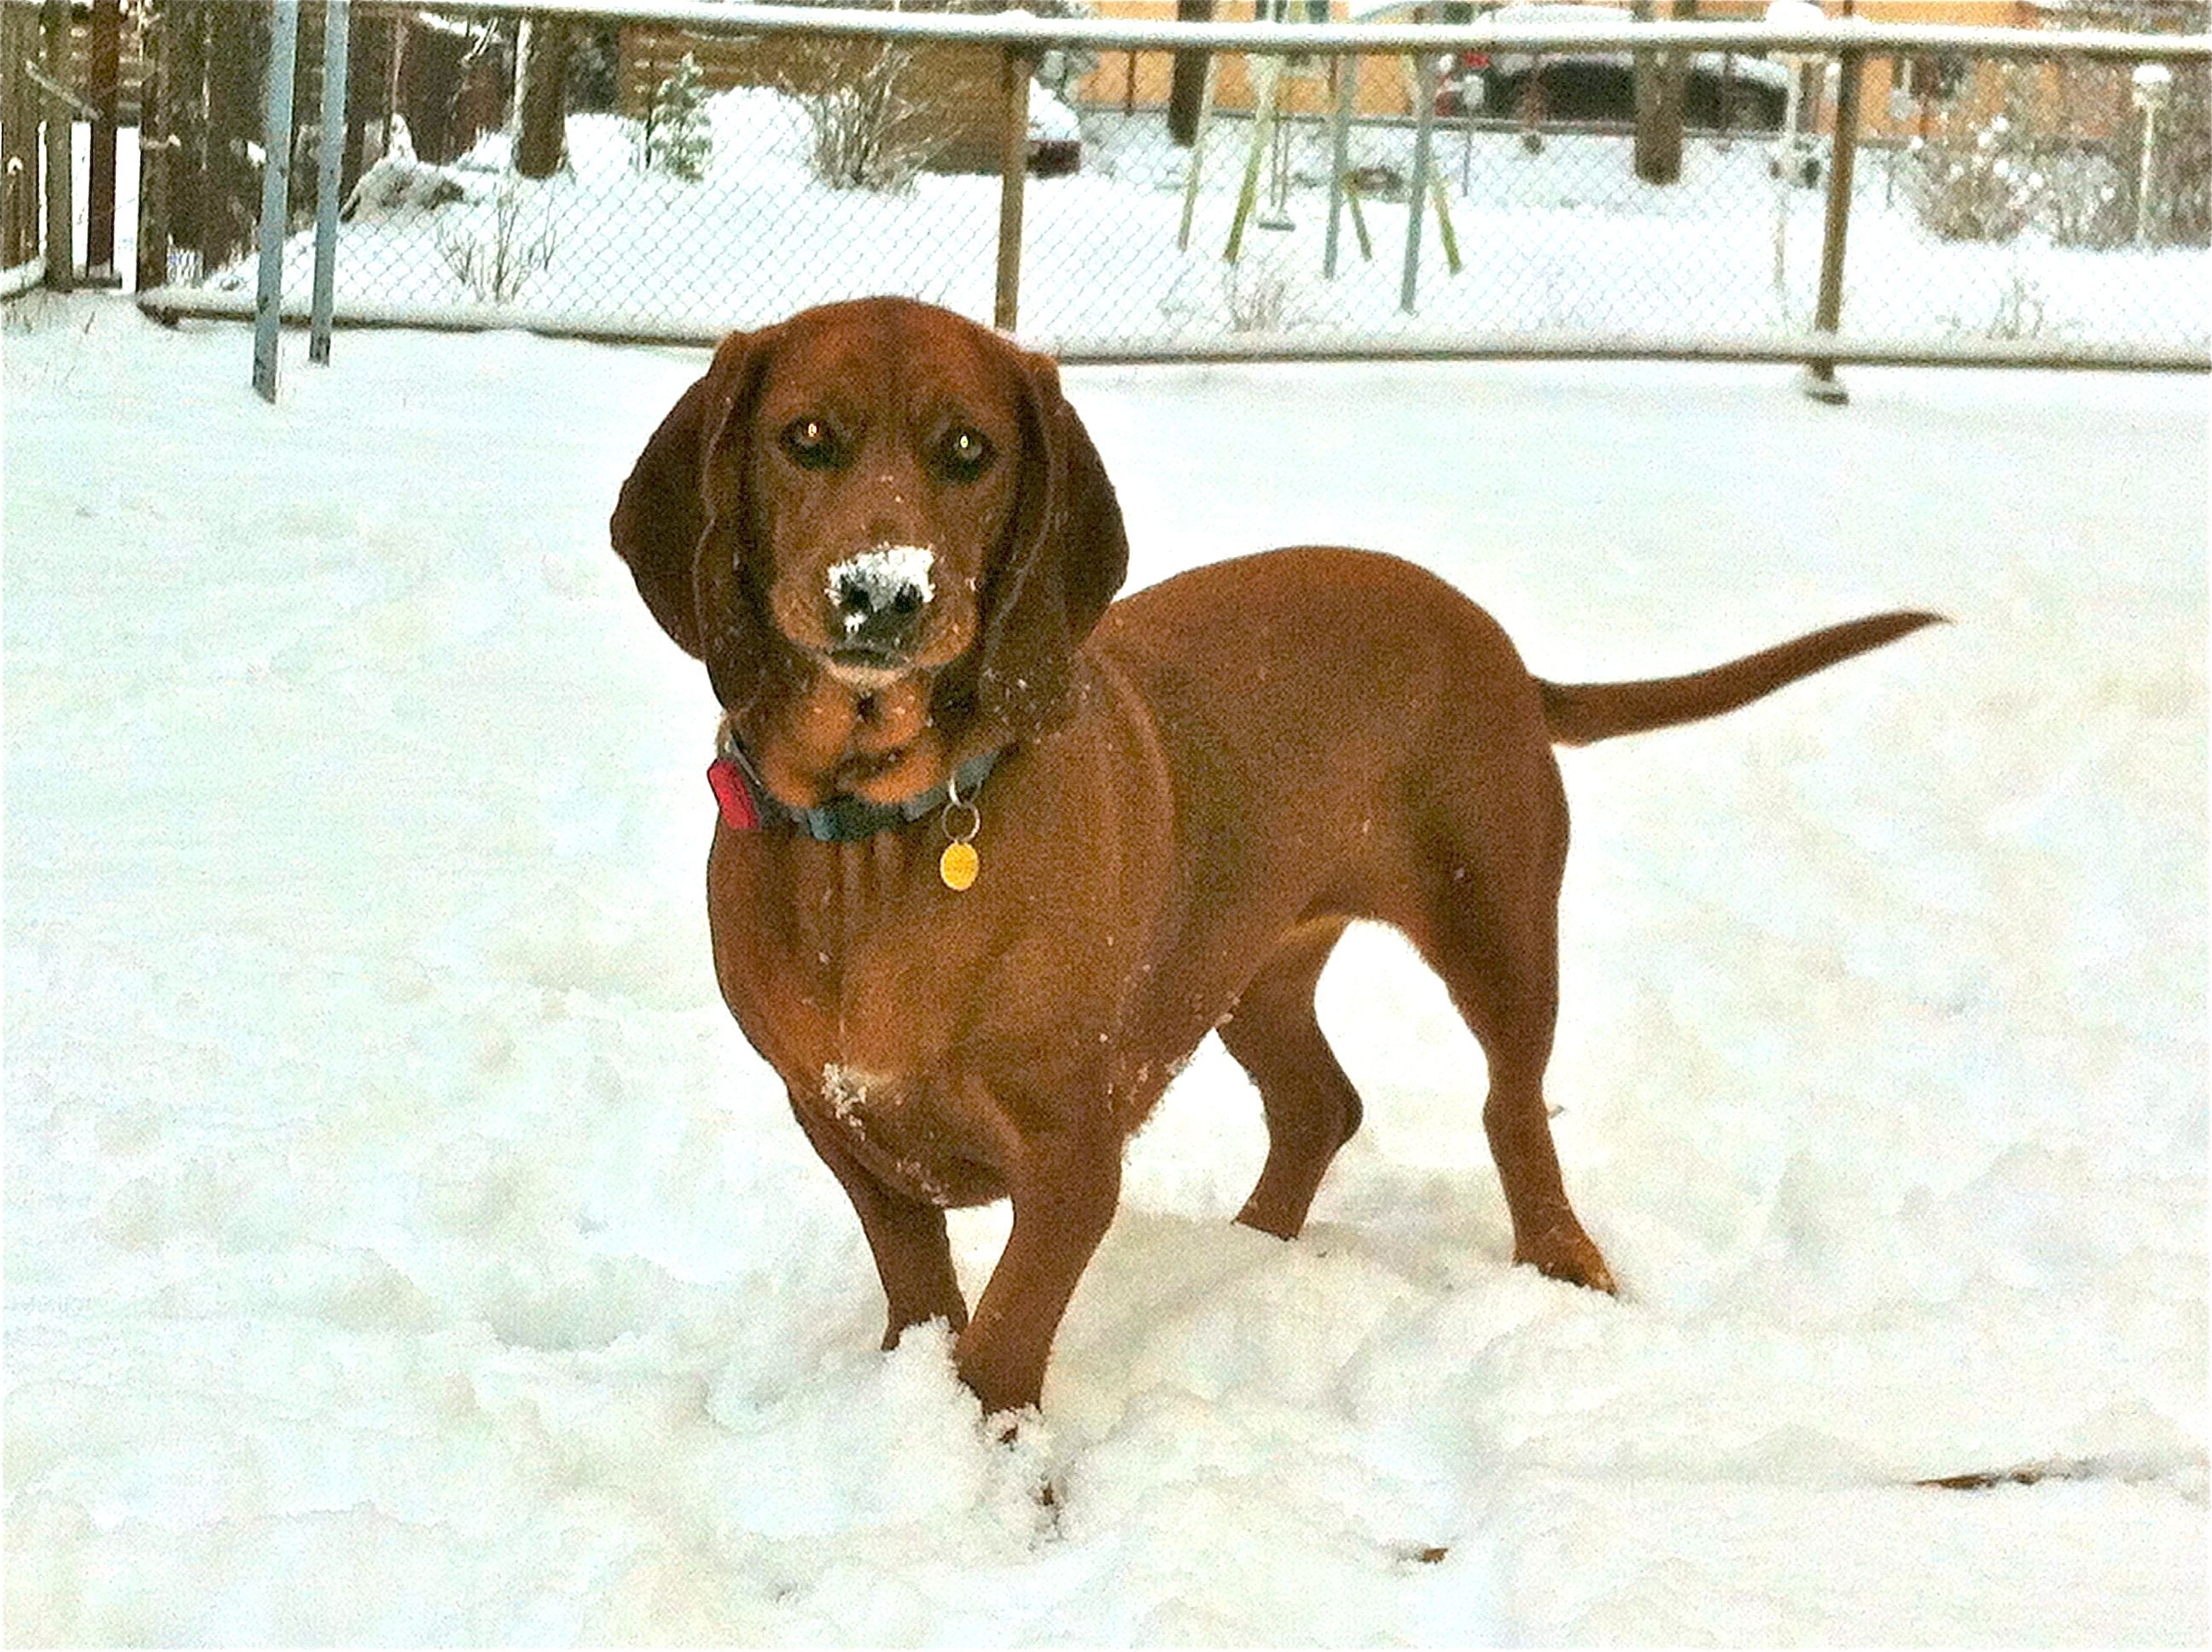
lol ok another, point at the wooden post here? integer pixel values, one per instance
(1828, 309)
(60, 118)
(1014, 71)
(104, 70)
(1659, 92)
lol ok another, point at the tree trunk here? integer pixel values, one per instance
(431, 54)
(184, 91)
(230, 201)
(541, 77)
(104, 67)
(156, 160)
(1659, 86)
(1188, 85)
(60, 231)
(369, 96)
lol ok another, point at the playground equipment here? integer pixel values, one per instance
(2152, 90)
(1793, 159)
(1267, 149)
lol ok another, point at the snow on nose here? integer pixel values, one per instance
(889, 580)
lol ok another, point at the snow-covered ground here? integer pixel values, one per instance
(403, 1247)
(1564, 241)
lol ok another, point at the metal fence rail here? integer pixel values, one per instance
(1976, 195)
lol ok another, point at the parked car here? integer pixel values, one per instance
(1055, 135)
(1749, 91)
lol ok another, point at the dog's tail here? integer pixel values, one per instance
(1581, 713)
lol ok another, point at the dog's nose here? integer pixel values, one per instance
(876, 598)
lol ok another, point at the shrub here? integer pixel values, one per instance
(676, 138)
(2053, 155)
(864, 128)
(494, 261)
(1977, 184)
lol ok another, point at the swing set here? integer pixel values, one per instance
(1270, 74)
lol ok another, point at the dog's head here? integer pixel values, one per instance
(879, 505)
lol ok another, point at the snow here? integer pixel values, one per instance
(398, 183)
(2153, 82)
(1580, 14)
(1050, 119)
(881, 577)
(404, 1246)
(1795, 14)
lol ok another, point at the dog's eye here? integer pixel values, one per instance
(811, 443)
(964, 454)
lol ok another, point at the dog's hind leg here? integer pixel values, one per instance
(1312, 1107)
(1491, 930)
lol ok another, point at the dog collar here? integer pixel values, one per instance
(747, 804)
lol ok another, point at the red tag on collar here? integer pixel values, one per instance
(739, 812)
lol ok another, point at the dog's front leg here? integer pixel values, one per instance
(913, 1256)
(1065, 1183)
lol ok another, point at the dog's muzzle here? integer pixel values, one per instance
(878, 600)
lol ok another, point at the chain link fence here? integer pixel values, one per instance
(2025, 205)
(678, 176)
(700, 181)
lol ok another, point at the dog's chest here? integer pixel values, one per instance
(890, 1092)
(860, 1005)
(915, 1132)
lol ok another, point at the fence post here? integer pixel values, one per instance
(1014, 69)
(338, 18)
(275, 193)
(1828, 309)
(60, 118)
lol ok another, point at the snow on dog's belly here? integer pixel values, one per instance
(902, 1129)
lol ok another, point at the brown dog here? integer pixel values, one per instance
(891, 540)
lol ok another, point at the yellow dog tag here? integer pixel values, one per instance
(958, 865)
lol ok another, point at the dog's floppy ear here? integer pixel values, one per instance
(659, 515)
(683, 525)
(1064, 557)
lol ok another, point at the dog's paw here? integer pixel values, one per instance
(1565, 1253)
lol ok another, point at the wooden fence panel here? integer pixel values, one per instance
(21, 166)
